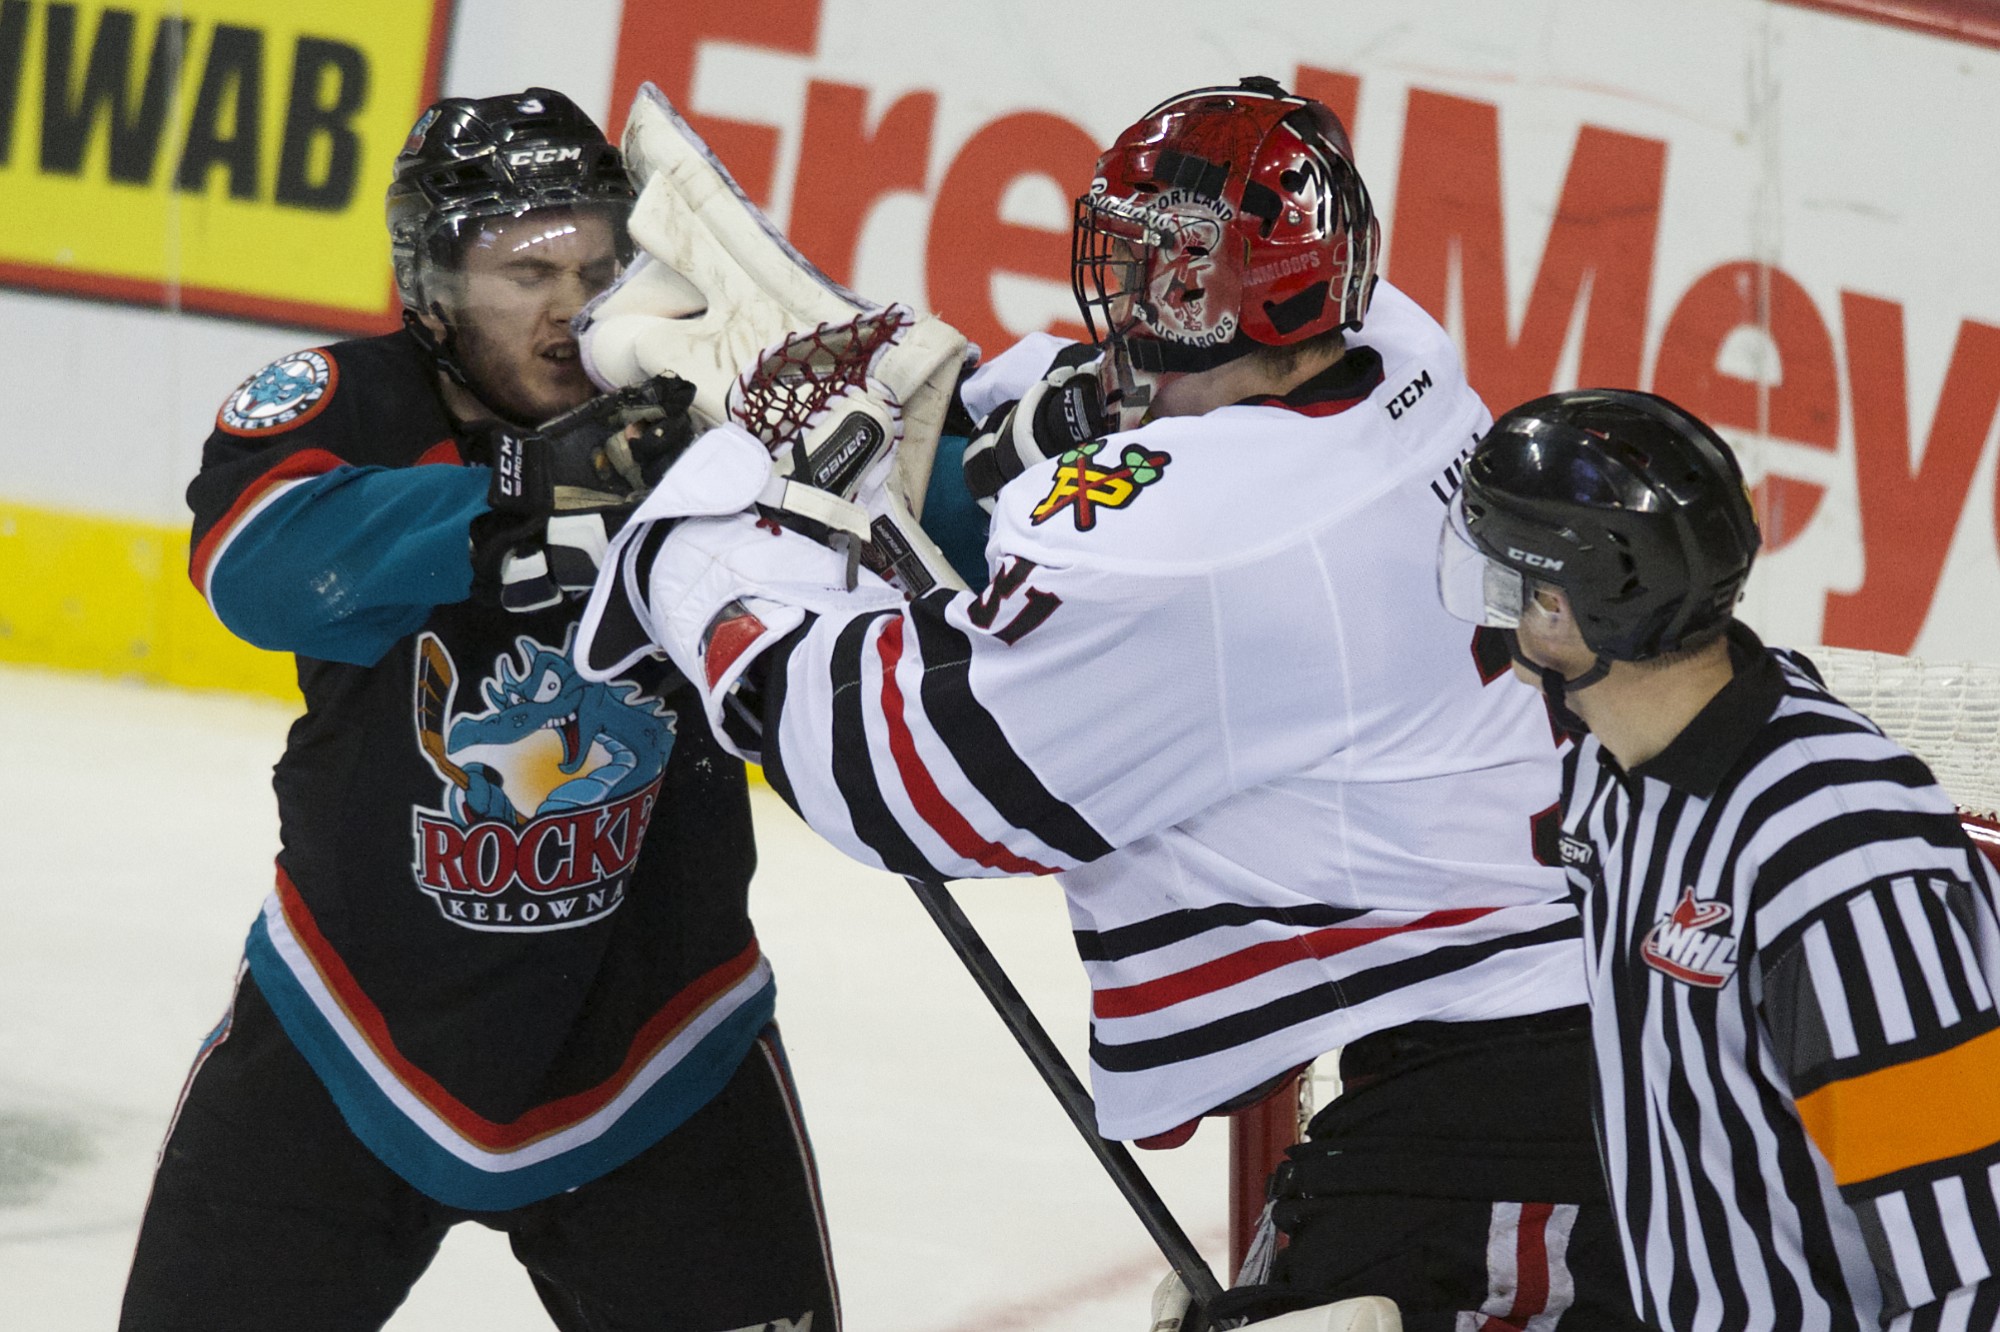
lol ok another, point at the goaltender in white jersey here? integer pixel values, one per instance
(1294, 805)
(1210, 684)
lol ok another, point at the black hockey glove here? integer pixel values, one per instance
(560, 491)
(1063, 410)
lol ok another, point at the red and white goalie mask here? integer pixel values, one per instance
(1224, 219)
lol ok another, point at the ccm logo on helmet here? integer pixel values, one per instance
(1532, 560)
(544, 156)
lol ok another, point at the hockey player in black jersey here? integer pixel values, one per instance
(506, 974)
(1794, 949)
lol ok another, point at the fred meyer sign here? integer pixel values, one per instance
(226, 156)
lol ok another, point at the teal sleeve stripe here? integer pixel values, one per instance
(406, 1149)
(952, 518)
(344, 565)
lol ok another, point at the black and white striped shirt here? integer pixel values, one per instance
(1794, 957)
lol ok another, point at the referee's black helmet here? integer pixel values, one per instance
(1630, 505)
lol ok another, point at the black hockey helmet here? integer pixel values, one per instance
(1631, 506)
(470, 158)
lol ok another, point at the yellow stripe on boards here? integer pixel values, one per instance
(111, 596)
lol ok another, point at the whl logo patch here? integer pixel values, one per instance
(1689, 943)
(1083, 487)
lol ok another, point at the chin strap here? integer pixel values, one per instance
(1556, 687)
(441, 349)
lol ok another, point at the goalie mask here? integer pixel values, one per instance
(1631, 507)
(470, 163)
(1224, 220)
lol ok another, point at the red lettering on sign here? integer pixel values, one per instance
(845, 168)
(969, 242)
(1448, 206)
(1802, 405)
(661, 43)
(1909, 510)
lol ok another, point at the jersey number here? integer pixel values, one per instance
(1039, 605)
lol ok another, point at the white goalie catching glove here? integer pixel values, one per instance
(851, 413)
(849, 396)
(697, 574)
(715, 283)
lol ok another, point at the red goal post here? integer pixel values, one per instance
(1946, 713)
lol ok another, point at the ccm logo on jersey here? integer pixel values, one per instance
(1576, 852)
(544, 156)
(1687, 944)
(1407, 399)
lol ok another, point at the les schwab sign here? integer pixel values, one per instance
(224, 156)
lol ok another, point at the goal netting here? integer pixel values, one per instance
(1947, 713)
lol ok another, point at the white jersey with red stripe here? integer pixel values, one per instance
(1291, 800)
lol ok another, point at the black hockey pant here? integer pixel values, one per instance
(267, 1214)
(1458, 1174)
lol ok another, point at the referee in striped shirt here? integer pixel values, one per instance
(1793, 948)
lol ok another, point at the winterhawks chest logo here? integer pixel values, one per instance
(1689, 944)
(1083, 487)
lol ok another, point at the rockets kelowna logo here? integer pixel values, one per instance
(547, 792)
(1687, 944)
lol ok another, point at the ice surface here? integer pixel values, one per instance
(138, 830)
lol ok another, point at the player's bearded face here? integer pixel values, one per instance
(519, 284)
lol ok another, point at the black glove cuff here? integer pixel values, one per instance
(497, 534)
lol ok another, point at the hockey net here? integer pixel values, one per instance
(1946, 713)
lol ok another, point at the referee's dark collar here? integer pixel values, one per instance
(1707, 748)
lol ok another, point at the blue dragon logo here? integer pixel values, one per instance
(276, 385)
(610, 740)
(548, 793)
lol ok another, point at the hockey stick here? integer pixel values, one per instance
(434, 685)
(1173, 1242)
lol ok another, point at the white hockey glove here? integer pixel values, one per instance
(697, 576)
(1063, 409)
(852, 413)
(715, 283)
(720, 297)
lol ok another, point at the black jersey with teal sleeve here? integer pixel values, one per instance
(508, 928)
